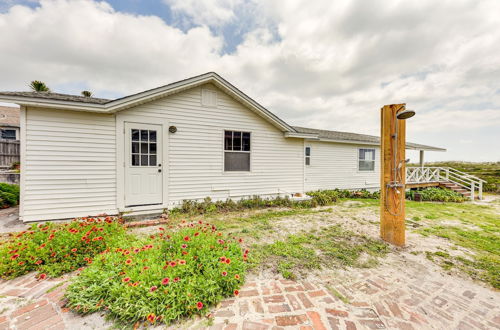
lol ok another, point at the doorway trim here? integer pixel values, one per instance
(120, 161)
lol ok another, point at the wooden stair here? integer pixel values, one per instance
(456, 188)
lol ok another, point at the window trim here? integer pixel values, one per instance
(306, 156)
(374, 159)
(240, 151)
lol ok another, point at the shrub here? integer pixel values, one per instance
(53, 249)
(436, 195)
(9, 195)
(162, 278)
(324, 197)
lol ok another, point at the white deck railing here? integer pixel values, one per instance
(425, 174)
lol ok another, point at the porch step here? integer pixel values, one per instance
(456, 188)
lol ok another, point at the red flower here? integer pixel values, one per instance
(184, 246)
(161, 228)
(237, 276)
(199, 305)
(176, 279)
(145, 267)
(240, 240)
(15, 256)
(152, 318)
(21, 263)
(135, 284)
(38, 262)
(128, 261)
(196, 234)
(126, 279)
(184, 252)
(223, 259)
(228, 261)
(182, 262)
(224, 273)
(165, 281)
(42, 276)
(236, 292)
(186, 238)
(153, 288)
(42, 246)
(73, 250)
(172, 263)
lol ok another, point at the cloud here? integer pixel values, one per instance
(325, 64)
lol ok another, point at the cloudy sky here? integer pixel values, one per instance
(327, 64)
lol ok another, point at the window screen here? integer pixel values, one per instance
(308, 155)
(236, 151)
(366, 160)
(143, 149)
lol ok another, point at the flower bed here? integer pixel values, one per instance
(162, 278)
(436, 195)
(54, 249)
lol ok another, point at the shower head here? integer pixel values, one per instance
(405, 114)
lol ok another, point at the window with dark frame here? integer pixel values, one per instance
(143, 152)
(308, 155)
(236, 151)
(8, 134)
(366, 160)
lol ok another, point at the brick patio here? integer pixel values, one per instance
(377, 299)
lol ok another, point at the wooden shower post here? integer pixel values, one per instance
(392, 213)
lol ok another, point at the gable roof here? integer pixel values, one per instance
(346, 137)
(82, 103)
(100, 105)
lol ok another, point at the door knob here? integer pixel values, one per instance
(159, 170)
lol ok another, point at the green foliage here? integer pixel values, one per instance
(39, 86)
(9, 195)
(488, 171)
(436, 195)
(363, 193)
(54, 249)
(329, 247)
(162, 278)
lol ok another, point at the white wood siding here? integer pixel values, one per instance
(196, 159)
(70, 168)
(335, 165)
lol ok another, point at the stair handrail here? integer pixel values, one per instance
(466, 174)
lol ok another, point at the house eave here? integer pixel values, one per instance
(151, 95)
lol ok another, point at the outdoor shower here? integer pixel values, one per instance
(396, 182)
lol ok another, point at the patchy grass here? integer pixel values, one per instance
(471, 226)
(328, 247)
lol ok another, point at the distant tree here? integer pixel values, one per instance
(87, 93)
(39, 86)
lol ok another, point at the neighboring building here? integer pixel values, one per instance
(191, 139)
(9, 123)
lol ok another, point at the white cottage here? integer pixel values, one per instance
(190, 139)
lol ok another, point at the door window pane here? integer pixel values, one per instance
(135, 135)
(144, 148)
(152, 136)
(144, 160)
(152, 148)
(135, 147)
(152, 160)
(135, 160)
(144, 135)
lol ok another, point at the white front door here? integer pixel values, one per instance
(143, 167)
